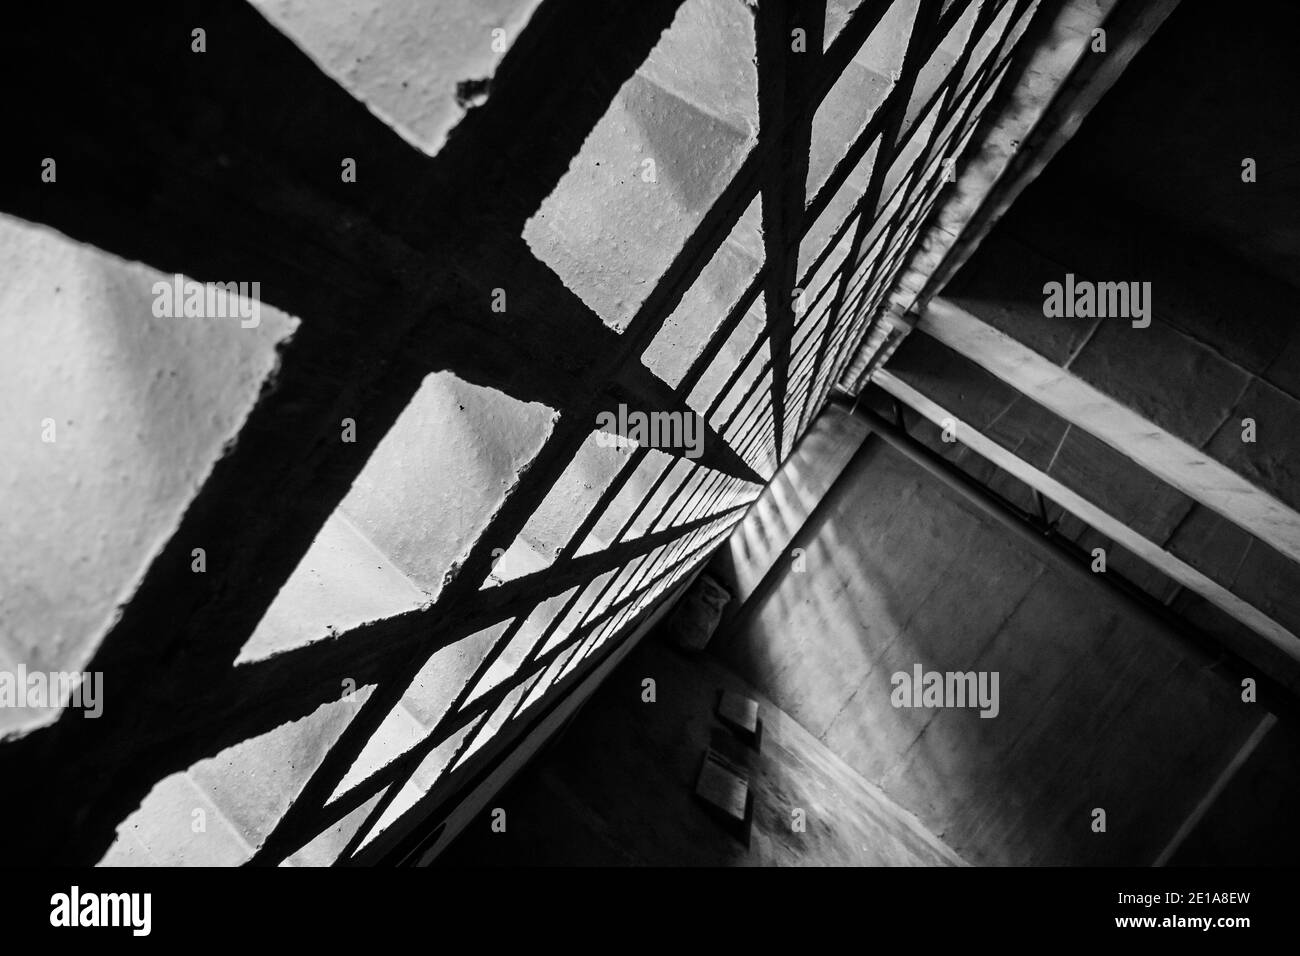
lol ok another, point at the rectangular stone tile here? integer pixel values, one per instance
(1272, 460)
(1150, 370)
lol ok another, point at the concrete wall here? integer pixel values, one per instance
(114, 416)
(618, 788)
(1097, 708)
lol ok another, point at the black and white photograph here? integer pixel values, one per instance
(538, 444)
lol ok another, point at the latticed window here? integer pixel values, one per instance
(336, 538)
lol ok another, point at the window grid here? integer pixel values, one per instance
(594, 46)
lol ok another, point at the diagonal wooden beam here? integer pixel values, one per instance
(785, 74)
